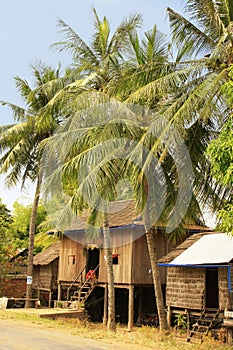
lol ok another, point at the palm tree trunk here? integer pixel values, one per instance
(111, 291)
(32, 231)
(155, 273)
(156, 280)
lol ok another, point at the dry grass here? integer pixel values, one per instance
(140, 338)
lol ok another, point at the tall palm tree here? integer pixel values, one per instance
(19, 143)
(192, 97)
(189, 89)
(151, 53)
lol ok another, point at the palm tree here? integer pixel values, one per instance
(146, 60)
(96, 65)
(189, 92)
(99, 69)
(19, 143)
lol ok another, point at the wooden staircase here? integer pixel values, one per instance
(208, 320)
(84, 289)
(80, 296)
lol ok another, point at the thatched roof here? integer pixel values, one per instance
(182, 247)
(120, 213)
(48, 255)
(123, 213)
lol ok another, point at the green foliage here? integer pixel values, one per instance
(181, 321)
(220, 152)
(20, 227)
(5, 238)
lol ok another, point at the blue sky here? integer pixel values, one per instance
(28, 28)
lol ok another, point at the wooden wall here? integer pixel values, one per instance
(122, 270)
(186, 288)
(129, 243)
(141, 267)
(68, 269)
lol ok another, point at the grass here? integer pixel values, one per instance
(140, 338)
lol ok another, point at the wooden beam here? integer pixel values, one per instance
(131, 308)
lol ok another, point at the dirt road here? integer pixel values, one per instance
(20, 336)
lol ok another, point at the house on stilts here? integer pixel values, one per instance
(131, 264)
(200, 283)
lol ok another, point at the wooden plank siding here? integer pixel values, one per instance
(128, 243)
(69, 269)
(122, 271)
(121, 240)
(141, 267)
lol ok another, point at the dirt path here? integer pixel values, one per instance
(16, 336)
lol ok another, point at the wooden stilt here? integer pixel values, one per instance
(140, 298)
(50, 298)
(131, 308)
(105, 316)
(59, 292)
(169, 316)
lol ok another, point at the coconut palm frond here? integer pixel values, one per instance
(210, 14)
(73, 42)
(185, 34)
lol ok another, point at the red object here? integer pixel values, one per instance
(91, 275)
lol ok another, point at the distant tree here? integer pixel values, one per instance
(21, 224)
(5, 239)
(220, 152)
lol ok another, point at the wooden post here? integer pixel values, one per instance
(105, 317)
(229, 335)
(131, 308)
(140, 298)
(50, 298)
(59, 292)
(169, 316)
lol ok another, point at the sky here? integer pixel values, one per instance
(29, 28)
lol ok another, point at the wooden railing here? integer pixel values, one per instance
(74, 281)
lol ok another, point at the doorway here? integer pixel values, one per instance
(93, 258)
(212, 297)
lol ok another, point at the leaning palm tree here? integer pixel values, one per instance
(190, 88)
(192, 98)
(19, 143)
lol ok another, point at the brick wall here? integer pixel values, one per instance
(14, 286)
(185, 287)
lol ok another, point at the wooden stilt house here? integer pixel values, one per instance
(132, 270)
(200, 280)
